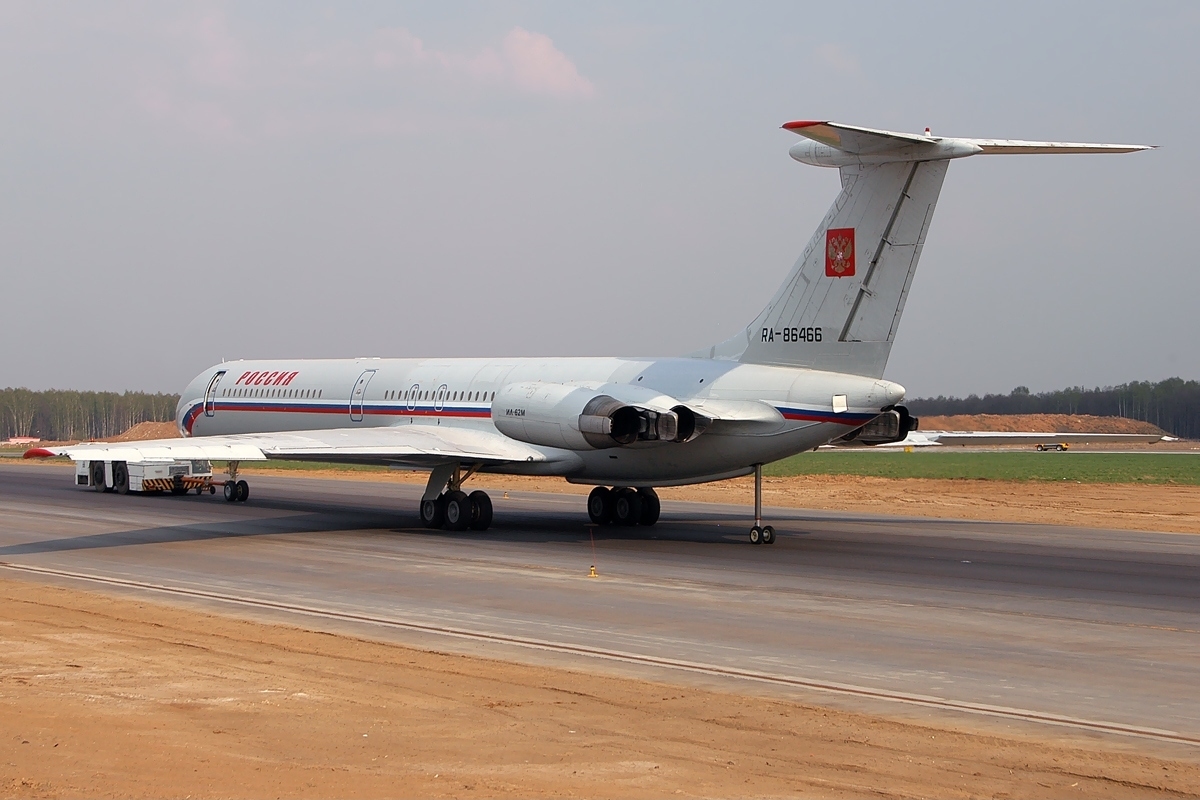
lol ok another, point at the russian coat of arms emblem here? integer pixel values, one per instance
(839, 252)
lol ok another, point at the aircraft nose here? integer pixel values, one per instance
(889, 392)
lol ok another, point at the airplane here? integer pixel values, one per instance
(806, 371)
(1042, 440)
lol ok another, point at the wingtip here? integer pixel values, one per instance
(796, 125)
(39, 452)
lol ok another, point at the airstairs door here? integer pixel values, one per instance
(358, 394)
(210, 394)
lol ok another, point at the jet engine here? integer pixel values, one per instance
(583, 418)
(893, 425)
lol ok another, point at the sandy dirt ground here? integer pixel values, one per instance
(1037, 423)
(103, 696)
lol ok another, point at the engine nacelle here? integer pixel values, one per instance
(581, 418)
(893, 425)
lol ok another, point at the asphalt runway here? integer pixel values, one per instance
(1090, 627)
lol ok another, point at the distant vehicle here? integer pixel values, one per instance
(806, 371)
(1061, 446)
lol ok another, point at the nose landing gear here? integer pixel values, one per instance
(760, 534)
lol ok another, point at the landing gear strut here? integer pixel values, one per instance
(446, 505)
(623, 506)
(760, 534)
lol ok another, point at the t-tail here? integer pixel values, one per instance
(840, 307)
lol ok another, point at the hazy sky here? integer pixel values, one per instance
(182, 183)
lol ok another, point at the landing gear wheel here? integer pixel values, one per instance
(433, 512)
(243, 491)
(481, 510)
(768, 535)
(650, 506)
(756, 535)
(600, 505)
(98, 476)
(231, 492)
(458, 511)
(120, 477)
(627, 507)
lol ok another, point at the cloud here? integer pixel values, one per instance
(537, 66)
(835, 58)
(207, 73)
(216, 58)
(525, 60)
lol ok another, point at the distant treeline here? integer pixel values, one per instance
(1173, 404)
(59, 415)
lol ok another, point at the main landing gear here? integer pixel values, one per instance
(623, 506)
(446, 505)
(760, 534)
(236, 491)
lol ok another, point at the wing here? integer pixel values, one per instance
(419, 446)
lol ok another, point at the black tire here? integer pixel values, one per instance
(243, 491)
(481, 510)
(98, 476)
(231, 491)
(457, 510)
(433, 512)
(120, 477)
(599, 505)
(177, 487)
(756, 536)
(650, 506)
(768, 535)
(627, 507)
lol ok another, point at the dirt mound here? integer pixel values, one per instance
(1038, 423)
(147, 430)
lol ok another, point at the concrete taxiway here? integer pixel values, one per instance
(1091, 628)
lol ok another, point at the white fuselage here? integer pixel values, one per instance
(305, 395)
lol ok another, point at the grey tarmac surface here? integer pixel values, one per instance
(1089, 624)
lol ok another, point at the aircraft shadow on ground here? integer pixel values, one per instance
(516, 526)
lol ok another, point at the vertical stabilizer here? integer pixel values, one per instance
(840, 306)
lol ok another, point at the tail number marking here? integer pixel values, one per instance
(792, 334)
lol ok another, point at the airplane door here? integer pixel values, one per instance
(358, 393)
(210, 394)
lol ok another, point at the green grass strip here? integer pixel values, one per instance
(1180, 468)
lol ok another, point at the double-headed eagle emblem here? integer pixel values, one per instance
(839, 252)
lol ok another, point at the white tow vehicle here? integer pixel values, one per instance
(161, 475)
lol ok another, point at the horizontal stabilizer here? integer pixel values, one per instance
(851, 144)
